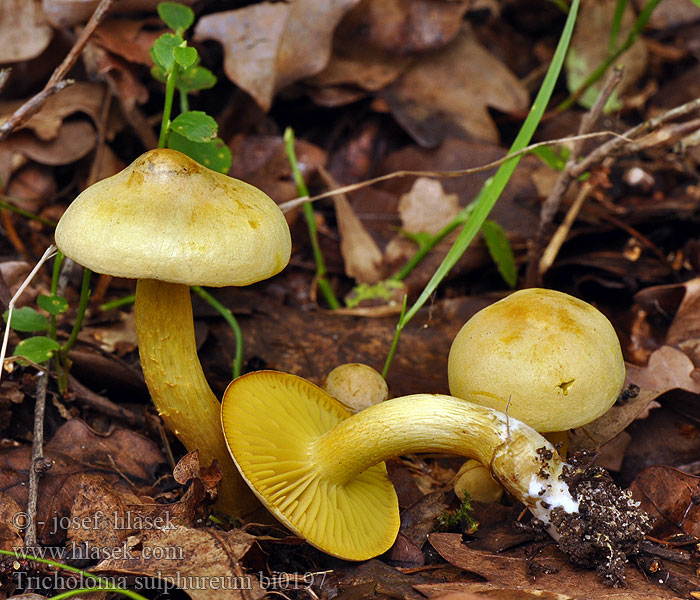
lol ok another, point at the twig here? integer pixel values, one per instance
(551, 205)
(50, 251)
(38, 465)
(291, 204)
(616, 144)
(57, 81)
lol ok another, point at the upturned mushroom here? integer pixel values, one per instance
(356, 385)
(170, 223)
(548, 359)
(319, 469)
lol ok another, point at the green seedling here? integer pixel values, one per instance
(310, 218)
(459, 519)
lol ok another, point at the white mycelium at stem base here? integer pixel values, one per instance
(319, 469)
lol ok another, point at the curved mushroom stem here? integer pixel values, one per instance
(180, 392)
(520, 458)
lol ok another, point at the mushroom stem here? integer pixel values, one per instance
(178, 387)
(521, 459)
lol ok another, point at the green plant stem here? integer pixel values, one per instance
(111, 588)
(57, 264)
(118, 303)
(632, 36)
(80, 315)
(168, 105)
(170, 87)
(184, 102)
(309, 216)
(231, 320)
(493, 189)
(6, 202)
(429, 244)
(86, 574)
(62, 354)
(620, 7)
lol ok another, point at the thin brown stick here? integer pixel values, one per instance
(616, 144)
(57, 81)
(291, 204)
(551, 205)
(38, 464)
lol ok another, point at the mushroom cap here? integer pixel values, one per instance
(167, 217)
(356, 385)
(547, 358)
(477, 481)
(271, 421)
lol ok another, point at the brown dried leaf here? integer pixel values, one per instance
(558, 575)
(355, 64)
(64, 13)
(405, 26)
(599, 432)
(455, 86)
(75, 139)
(128, 38)
(79, 97)
(269, 46)
(9, 523)
(75, 450)
(202, 562)
(362, 256)
(668, 369)
(427, 208)
(671, 496)
(23, 30)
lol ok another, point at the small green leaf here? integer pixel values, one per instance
(550, 157)
(176, 16)
(37, 349)
(163, 51)
(195, 125)
(185, 56)
(27, 319)
(213, 154)
(500, 250)
(159, 74)
(195, 78)
(54, 305)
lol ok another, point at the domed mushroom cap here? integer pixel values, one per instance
(556, 357)
(271, 422)
(356, 385)
(167, 217)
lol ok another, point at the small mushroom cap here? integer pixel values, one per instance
(555, 357)
(476, 480)
(167, 217)
(356, 385)
(271, 421)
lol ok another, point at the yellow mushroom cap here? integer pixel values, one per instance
(271, 421)
(356, 385)
(475, 479)
(167, 217)
(555, 357)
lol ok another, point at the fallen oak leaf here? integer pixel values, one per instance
(269, 46)
(23, 29)
(668, 369)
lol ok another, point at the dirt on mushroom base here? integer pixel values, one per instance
(609, 527)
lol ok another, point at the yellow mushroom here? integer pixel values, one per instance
(356, 385)
(551, 360)
(171, 223)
